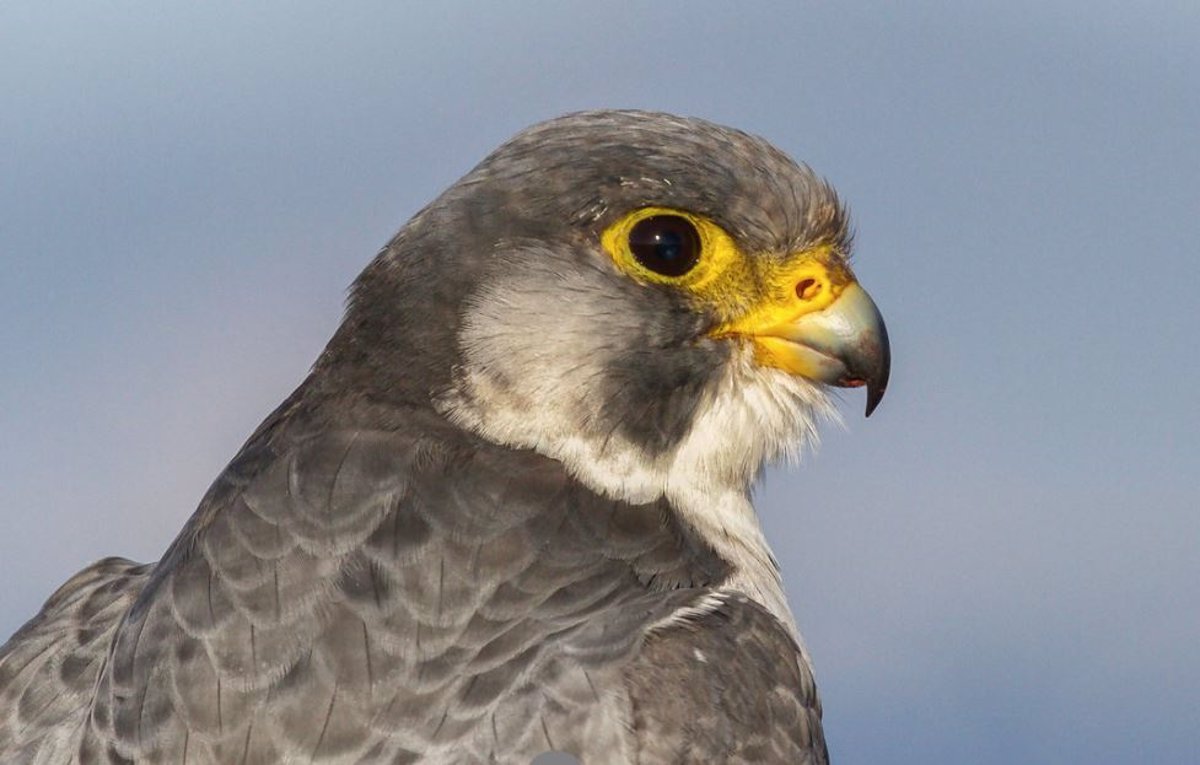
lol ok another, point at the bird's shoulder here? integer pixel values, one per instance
(49, 667)
(725, 684)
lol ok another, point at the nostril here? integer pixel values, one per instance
(807, 289)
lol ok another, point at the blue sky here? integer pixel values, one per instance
(1002, 565)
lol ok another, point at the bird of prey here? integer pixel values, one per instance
(508, 509)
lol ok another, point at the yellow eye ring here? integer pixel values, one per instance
(661, 245)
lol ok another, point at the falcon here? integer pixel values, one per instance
(508, 510)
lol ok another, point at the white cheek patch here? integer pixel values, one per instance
(536, 352)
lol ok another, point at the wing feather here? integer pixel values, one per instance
(49, 668)
(725, 686)
(369, 595)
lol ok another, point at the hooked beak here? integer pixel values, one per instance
(845, 344)
(837, 337)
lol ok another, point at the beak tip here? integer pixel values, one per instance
(874, 396)
(882, 367)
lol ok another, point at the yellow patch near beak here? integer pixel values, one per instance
(818, 323)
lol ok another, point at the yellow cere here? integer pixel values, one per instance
(750, 293)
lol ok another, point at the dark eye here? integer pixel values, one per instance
(665, 244)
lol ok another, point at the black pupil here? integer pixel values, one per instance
(665, 244)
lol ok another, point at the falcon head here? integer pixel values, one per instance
(655, 301)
